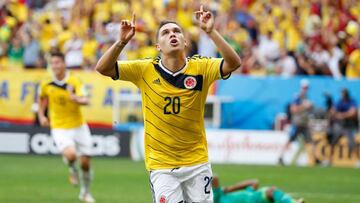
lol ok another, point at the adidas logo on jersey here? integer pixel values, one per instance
(157, 81)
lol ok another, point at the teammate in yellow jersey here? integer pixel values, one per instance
(174, 90)
(63, 94)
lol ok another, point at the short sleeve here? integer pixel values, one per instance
(42, 90)
(131, 70)
(80, 89)
(212, 69)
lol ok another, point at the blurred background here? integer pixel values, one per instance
(296, 54)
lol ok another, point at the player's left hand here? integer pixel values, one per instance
(71, 91)
(205, 19)
(74, 98)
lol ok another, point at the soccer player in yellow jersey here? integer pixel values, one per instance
(174, 90)
(63, 94)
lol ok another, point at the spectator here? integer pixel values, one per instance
(113, 28)
(268, 52)
(205, 46)
(73, 52)
(3, 56)
(16, 53)
(31, 52)
(343, 122)
(320, 58)
(307, 25)
(89, 51)
(101, 34)
(286, 66)
(336, 56)
(353, 67)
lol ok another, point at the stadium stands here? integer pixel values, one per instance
(273, 36)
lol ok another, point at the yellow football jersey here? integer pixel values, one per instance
(173, 107)
(63, 112)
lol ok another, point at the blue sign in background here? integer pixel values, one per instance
(257, 100)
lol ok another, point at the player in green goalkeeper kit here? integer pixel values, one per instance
(249, 192)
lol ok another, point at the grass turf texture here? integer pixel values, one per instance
(43, 179)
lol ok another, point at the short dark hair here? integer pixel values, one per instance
(58, 54)
(164, 22)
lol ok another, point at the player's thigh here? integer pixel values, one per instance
(198, 188)
(83, 140)
(63, 139)
(70, 153)
(165, 187)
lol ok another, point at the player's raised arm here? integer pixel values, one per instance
(206, 21)
(106, 63)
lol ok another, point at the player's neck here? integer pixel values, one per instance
(173, 64)
(60, 76)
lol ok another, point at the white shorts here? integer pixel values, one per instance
(79, 137)
(184, 184)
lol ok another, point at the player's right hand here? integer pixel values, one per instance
(44, 121)
(127, 29)
(205, 19)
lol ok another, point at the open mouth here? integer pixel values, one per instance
(174, 42)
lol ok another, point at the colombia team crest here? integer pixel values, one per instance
(190, 82)
(162, 199)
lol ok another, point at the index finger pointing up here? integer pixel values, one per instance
(201, 8)
(133, 20)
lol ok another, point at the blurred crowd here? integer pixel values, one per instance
(280, 37)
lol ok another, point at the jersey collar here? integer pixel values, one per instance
(171, 73)
(61, 82)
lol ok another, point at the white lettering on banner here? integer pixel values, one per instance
(102, 145)
(105, 145)
(97, 148)
(111, 145)
(249, 147)
(245, 144)
(236, 146)
(52, 147)
(42, 144)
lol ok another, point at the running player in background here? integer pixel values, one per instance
(174, 90)
(249, 192)
(63, 94)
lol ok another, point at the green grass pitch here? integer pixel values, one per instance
(43, 179)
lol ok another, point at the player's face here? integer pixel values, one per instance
(58, 65)
(170, 39)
